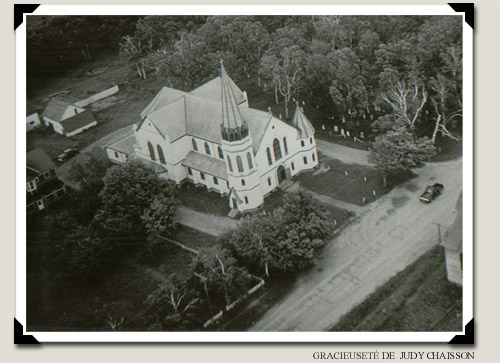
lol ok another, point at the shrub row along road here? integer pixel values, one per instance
(387, 236)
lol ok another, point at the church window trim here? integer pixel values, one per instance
(277, 149)
(207, 149)
(151, 151)
(269, 157)
(195, 146)
(221, 153)
(229, 163)
(249, 160)
(239, 164)
(161, 156)
(285, 145)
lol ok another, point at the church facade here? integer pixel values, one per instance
(210, 136)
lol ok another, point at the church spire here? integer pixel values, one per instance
(302, 124)
(233, 127)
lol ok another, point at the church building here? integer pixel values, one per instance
(210, 136)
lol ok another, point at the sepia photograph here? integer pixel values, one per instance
(217, 173)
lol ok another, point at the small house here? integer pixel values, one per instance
(32, 121)
(42, 183)
(452, 244)
(66, 118)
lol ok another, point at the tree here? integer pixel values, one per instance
(173, 305)
(159, 217)
(285, 70)
(285, 240)
(398, 152)
(225, 280)
(128, 191)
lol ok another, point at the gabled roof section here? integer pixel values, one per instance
(170, 120)
(206, 164)
(301, 123)
(166, 96)
(125, 146)
(212, 90)
(77, 121)
(231, 117)
(55, 109)
(38, 161)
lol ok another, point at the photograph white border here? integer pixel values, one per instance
(244, 336)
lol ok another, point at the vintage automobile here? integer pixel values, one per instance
(67, 154)
(431, 193)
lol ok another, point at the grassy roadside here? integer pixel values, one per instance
(419, 298)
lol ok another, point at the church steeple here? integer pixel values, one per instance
(302, 124)
(233, 127)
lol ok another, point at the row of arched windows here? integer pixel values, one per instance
(276, 151)
(239, 163)
(152, 154)
(207, 149)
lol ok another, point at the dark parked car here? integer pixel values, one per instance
(431, 193)
(67, 154)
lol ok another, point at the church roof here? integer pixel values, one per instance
(302, 124)
(125, 145)
(166, 96)
(206, 164)
(212, 90)
(200, 118)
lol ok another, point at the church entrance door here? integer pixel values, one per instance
(281, 174)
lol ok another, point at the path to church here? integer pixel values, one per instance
(386, 236)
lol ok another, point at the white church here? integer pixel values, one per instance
(210, 136)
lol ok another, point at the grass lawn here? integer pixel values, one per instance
(419, 298)
(201, 200)
(348, 141)
(331, 181)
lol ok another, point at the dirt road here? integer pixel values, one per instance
(386, 237)
(348, 155)
(207, 223)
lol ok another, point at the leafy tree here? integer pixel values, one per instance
(115, 315)
(128, 191)
(174, 305)
(159, 217)
(286, 240)
(398, 151)
(225, 280)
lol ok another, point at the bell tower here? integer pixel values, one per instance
(243, 176)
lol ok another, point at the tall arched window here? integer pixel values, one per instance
(239, 163)
(229, 163)
(277, 149)
(151, 151)
(221, 154)
(285, 145)
(269, 157)
(160, 154)
(195, 147)
(249, 159)
(207, 148)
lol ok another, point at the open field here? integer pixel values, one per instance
(419, 298)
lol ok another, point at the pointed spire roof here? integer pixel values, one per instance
(302, 124)
(231, 117)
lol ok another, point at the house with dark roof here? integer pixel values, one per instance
(452, 244)
(211, 137)
(66, 118)
(42, 184)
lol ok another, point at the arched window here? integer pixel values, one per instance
(239, 163)
(285, 145)
(269, 157)
(195, 147)
(277, 149)
(160, 154)
(249, 159)
(314, 157)
(151, 151)
(229, 163)
(305, 160)
(221, 154)
(207, 148)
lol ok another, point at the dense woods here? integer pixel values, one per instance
(370, 72)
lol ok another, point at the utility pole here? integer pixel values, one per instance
(204, 279)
